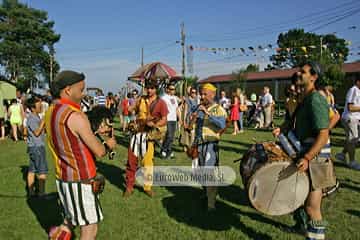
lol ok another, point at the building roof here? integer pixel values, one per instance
(273, 74)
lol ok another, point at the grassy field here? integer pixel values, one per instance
(174, 212)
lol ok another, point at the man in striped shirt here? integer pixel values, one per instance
(100, 99)
(74, 146)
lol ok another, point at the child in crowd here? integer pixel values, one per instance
(36, 148)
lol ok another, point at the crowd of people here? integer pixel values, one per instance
(150, 119)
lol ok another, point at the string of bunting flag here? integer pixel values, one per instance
(252, 51)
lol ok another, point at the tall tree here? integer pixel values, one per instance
(27, 43)
(253, 68)
(297, 46)
(239, 76)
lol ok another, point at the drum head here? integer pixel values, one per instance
(278, 188)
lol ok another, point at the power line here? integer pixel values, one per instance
(317, 15)
(307, 22)
(339, 18)
(160, 49)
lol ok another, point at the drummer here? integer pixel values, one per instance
(210, 123)
(311, 126)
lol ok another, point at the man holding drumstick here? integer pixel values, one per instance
(311, 127)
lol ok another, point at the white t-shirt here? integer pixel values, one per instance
(266, 99)
(225, 103)
(352, 96)
(172, 105)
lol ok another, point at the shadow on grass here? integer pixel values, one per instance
(337, 142)
(351, 181)
(122, 140)
(340, 164)
(349, 186)
(188, 205)
(247, 145)
(112, 173)
(47, 210)
(234, 194)
(353, 212)
(337, 134)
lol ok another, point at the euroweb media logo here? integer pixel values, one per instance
(185, 176)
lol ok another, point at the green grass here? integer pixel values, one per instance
(174, 212)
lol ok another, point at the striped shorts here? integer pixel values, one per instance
(81, 206)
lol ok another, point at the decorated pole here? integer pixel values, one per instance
(184, 83)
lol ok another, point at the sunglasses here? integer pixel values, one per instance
(171, 89)
(193, 92)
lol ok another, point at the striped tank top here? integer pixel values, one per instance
(73, 159)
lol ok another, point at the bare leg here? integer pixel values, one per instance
(14, 131)
(2, 132)
(236, 129)
(88, 232)
(313, 205)
(30, 183)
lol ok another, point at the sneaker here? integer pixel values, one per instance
(163, 154)
(340, 157)
(172, 155)
(241, 131)
(354, 165)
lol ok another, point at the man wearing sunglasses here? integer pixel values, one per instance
(151, 113)
(172, 105)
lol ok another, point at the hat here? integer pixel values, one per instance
(67, 78)
(209, 86)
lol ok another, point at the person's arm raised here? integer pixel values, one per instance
(80, 125)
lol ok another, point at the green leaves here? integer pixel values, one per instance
(27, 40)
(297, 47)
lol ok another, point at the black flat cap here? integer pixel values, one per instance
(67, 78)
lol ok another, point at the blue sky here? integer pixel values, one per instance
(103, 39)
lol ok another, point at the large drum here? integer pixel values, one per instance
(274, 185)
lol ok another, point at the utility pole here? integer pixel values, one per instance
(183, 92)
(321, 46)
(142, 56)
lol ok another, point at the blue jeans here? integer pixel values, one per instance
(240, 121)
(169, 138)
